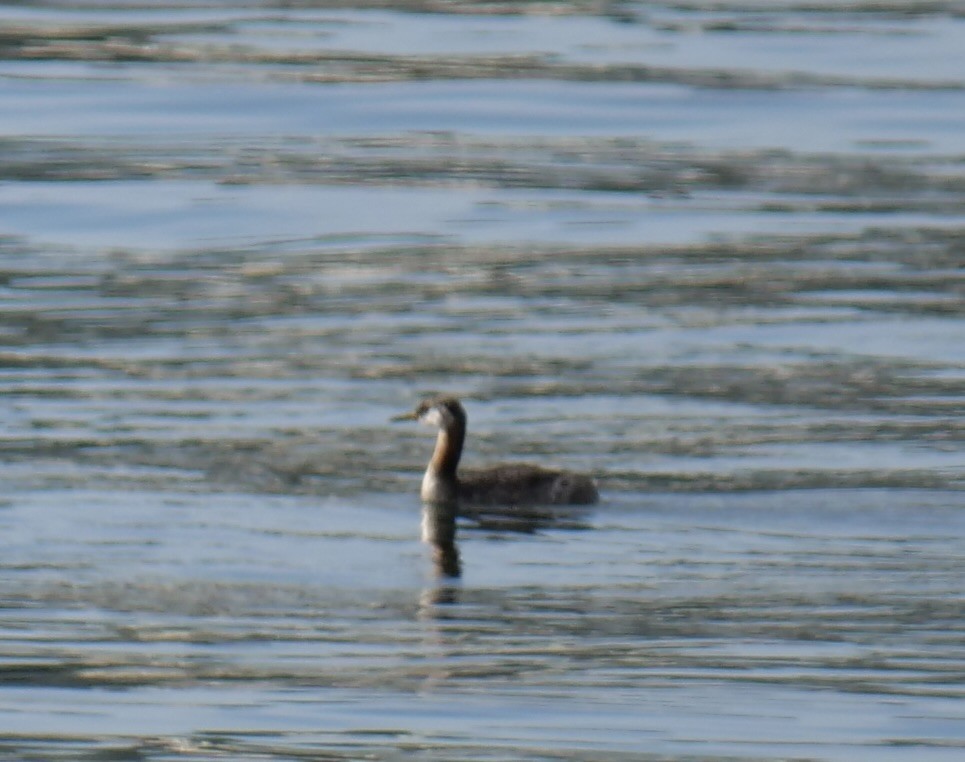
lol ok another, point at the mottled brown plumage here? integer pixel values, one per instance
(509, 484)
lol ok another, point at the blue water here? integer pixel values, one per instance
(710, 254)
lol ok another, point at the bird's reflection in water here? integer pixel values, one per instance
(439, 526)
(439, 533)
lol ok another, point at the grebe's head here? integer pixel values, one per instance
(437, 412)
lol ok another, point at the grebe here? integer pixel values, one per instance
(510, 484)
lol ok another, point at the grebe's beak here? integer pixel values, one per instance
(405, 417)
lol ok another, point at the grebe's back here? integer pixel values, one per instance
(522, 483)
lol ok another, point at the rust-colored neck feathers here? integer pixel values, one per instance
(445, 458)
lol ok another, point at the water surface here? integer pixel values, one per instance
(711, 253)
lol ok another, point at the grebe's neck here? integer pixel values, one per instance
(440, 482)
(445, 458)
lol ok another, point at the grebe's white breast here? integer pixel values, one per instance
(432, 486)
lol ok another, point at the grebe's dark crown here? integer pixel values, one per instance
(448, 410)
(444, 404)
